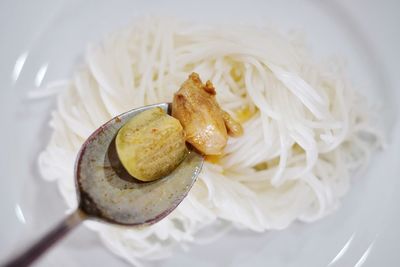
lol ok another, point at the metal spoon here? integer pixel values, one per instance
(106, 192)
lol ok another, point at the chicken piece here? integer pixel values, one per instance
(205, 124)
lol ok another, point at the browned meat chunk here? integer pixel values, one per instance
(205, 124)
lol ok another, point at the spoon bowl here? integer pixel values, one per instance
(107, 192)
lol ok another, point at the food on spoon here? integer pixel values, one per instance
(151, 145)
(206, 125)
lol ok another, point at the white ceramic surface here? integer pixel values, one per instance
(41, 41)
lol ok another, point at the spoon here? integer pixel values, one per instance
(106, 192)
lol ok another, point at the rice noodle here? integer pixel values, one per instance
(307, 127)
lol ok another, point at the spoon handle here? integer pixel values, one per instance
(27, 257)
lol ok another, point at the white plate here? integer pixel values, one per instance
(41, 42)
